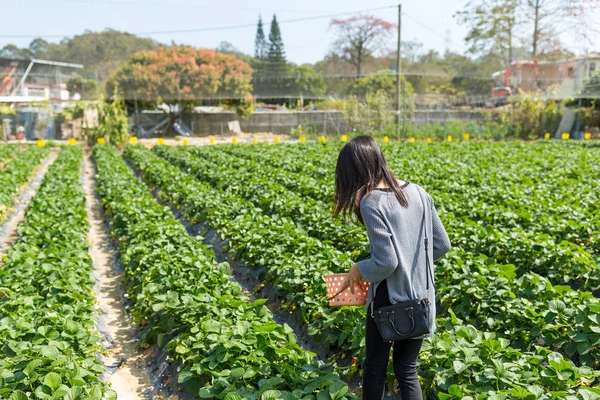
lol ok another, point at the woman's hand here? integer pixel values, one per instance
(354, 276)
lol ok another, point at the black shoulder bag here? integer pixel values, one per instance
(407, 319)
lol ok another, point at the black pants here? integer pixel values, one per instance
(404, 358)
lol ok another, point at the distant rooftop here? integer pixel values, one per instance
(46, 62)
(566, 60)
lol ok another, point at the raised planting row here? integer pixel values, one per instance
(560, 239)
(507, 304)
(299, 181)
(48, 341)
(261, 190)
(507, 185)
(517, 307)
(313, 159)
(543, 187)
(294, 269)
(468, 363)
(293, 262)
(228, 347)
(527, 309)
(533, 205)
(15, 173)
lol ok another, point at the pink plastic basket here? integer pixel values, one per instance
(345, 298)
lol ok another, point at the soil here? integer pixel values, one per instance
(125, 364)
(8, 230)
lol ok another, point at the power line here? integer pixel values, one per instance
(430, 29)
(209, 29)
(184, 5)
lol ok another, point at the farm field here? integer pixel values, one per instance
(518, 295)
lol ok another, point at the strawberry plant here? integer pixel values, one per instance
(48, 340)
(261, 244)
(15, 173)
(293, 262)
(310, 215)
(228, 347)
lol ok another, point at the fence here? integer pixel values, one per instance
(283, 122)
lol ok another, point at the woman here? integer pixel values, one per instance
(392, 211)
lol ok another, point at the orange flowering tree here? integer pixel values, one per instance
(182, 77)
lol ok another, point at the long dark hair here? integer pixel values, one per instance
(360, 167)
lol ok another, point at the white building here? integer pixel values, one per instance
(24, 81)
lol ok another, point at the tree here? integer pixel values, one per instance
(276, 55)
(39, 48)
(359, 37)
(549, 18)
(261, 46)
(86, 88)
(492, 26)
(227, 48)
(100, 52)
(384, 81)
(12, 51)
(473, 76)
(305, 81)
(182, 77)
(271, 71)
(112, 121)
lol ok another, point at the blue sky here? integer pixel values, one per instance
(430, 22)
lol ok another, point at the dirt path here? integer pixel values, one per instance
(8, 230)
(126, 366)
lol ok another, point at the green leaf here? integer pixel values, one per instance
(249, 373)
(181, 349)
(74, 393)
(53, 380)
(587, 395)
(337, 390)
(96, 393)
(459, 367)
(556, 306)
(454, 390)
(31, 366)
(43, 392)
(271, 395)
(49, 351)
(18, 395)
(237, 373)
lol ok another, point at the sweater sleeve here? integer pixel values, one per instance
(441, 241)
(383, 259)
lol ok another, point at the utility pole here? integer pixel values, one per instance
(398, 78)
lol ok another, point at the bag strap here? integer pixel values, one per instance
(424, 224)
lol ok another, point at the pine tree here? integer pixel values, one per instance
(260, 42)
(276, 65)
(276, 52)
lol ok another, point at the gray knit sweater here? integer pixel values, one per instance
(397, 240)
